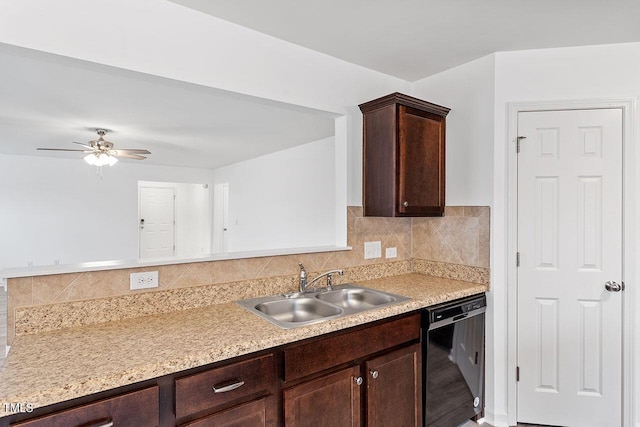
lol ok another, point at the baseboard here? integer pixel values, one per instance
(497, 419)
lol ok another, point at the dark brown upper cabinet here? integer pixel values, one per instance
(403, 157)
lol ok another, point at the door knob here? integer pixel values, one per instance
(405, 204)
(613, 286)
(358, 380)
(374, 374)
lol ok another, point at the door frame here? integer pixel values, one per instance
(630, 186)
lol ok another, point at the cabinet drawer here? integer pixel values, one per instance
(217, 387)
(315, 356)
(137, 409)
(252, 414)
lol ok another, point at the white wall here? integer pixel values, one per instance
(282, 200)
(469, 91)
(550, 74)
(165, 39)
(59, 209)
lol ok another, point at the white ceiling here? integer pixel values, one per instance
(413, 39)
(49, 101)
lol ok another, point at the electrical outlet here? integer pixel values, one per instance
(144, 280)
(372, 250)
(391, 252)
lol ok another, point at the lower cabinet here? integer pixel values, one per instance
(226, 395)
(136, 409)
(330, 400)
(394, 388)
(380, 386)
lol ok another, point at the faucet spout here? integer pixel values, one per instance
(329, 280)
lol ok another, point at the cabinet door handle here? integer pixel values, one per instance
(374, 374)
(358, 380)
(227, 386)
(405, 204)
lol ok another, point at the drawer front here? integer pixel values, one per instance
(252, 414)
(217, 387)
(137, 409)
(317, 355)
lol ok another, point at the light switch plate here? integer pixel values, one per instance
(372, 250)
(391, 253)
(144, 280)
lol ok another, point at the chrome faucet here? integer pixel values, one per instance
(304, 284)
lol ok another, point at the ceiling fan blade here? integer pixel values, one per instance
(118, 153)
(84, 145)
(63, 149)
(132, 151)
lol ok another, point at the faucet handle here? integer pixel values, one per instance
(330, 279)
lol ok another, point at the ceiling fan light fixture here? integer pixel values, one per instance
(102, 159)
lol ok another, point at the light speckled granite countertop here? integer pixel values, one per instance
(52, 367)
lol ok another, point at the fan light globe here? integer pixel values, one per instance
(101, 159)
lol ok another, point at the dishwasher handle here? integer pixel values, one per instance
(457, 318)
(460, 317)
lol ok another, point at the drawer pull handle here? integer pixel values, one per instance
(105, 422)
(227, 386)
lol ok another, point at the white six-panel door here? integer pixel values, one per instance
(570, 245)
(157, 222)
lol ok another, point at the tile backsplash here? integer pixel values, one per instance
(459, 238)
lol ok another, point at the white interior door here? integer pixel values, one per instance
(570, 245)
(221, 218)
(157, 222)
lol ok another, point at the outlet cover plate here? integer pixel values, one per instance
(391, 252)
(372, 250)
(144, 280)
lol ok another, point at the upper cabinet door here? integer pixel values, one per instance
(403, 157)
(421, 160)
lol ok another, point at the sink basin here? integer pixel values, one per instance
(297, 309)
(356, 298)
(292, 311)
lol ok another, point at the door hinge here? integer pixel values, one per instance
(517, 373)
(517, 259)
(518, 139)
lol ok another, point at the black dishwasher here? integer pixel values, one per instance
(453, 361)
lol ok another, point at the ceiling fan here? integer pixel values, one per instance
(101, 152)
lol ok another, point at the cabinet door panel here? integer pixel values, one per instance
(252, 414)
(394, 389)
(421, 162)
(331, 400)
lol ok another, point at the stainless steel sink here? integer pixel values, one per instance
(291, 311)
(298, 309)
(356, 298)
